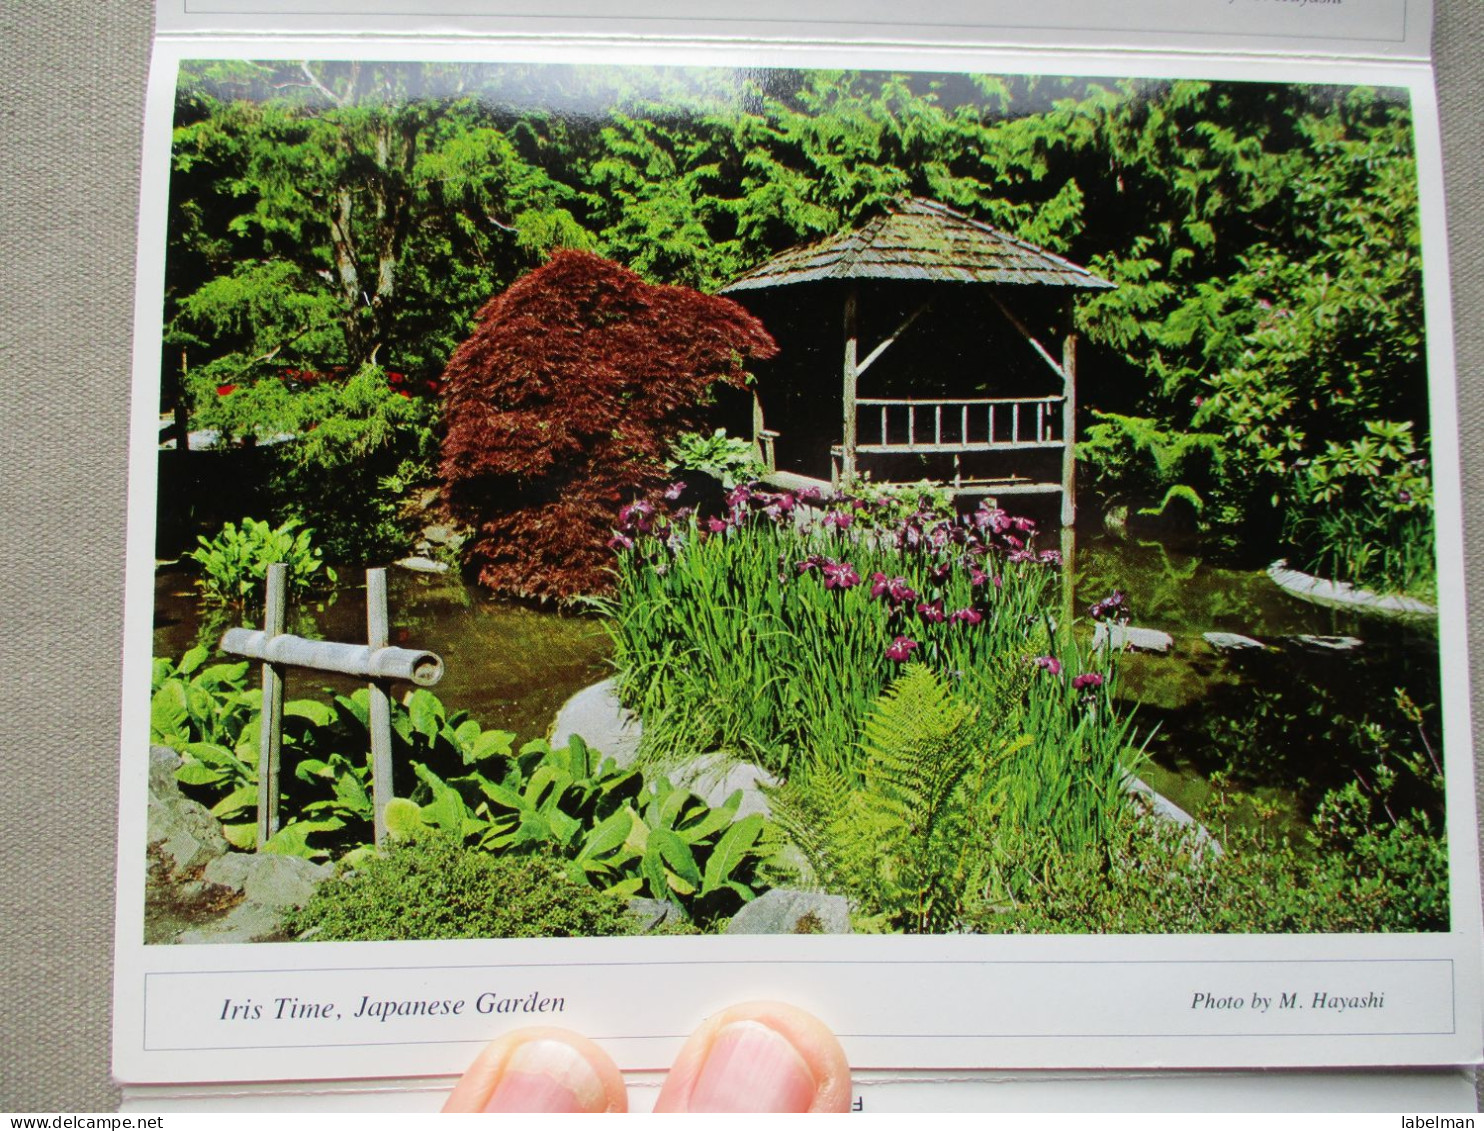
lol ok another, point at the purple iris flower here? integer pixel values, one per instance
(931, 612)
(839, 575)
(900, 649)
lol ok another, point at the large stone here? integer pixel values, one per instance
(163, 762)
(1343, 595)
(714, 778)
(1161, 808)
(246, 923)
(1231, 641)
(185, 833)
(418, 564)
(786, 912)
(1125, 636)
(268, 878)
(655, 913)
(1327, 643)
(597, 717)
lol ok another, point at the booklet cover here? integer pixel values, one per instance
(964, 540)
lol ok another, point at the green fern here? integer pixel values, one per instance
(896, 835)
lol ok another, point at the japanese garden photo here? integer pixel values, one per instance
(640, 501)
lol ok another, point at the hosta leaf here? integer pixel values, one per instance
(293, 840)
(711, 820)
(193, 659)
(607, 836)
(488, 744)
(352, 794)
(167, 712)
(243, 797)
(563, 827)
(504, 796)
(194, 773)
(242, 835)
(356, 705)
(319, 714)
(627, 888)
(426, 713)
(223, 673)
(214, 754)
(731, 850)
(677, 857)
(534, 828)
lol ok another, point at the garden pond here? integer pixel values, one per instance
(1288, 721)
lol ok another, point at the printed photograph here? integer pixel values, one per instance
(608, 501)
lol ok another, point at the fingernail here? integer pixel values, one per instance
(751, 1067)
(547, 1076)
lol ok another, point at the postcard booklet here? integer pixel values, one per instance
(955, 525)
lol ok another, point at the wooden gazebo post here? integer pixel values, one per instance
(851, 378)
(1069, 419)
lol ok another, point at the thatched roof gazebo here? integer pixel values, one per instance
(966, 306)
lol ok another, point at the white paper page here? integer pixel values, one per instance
(203, 1013)
(1358, 28)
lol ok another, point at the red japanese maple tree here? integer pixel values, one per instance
(559, 408)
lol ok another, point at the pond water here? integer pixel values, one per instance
(1289, 720)
(508, 665)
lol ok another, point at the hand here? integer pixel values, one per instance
(759, 1057)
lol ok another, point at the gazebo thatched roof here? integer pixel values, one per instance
(919, 239)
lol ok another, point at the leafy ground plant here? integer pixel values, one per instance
(612, 829)
(234, 563)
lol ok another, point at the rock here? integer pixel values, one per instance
(268, 879)
(439, 534)
(422, 565)
(1327, 643)
(1343, 595)
(1161, 808)
(786, 912)
(1231, 641)
(247, 923)
(655, 913)
(163, 762)
(596, 715)
(714, 778)
(1124, 636)
(185, 833)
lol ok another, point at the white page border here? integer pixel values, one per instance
(638, 1017)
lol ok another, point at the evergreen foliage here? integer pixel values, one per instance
(434, 888)
(1264, 237)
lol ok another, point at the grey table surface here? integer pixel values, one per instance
(72, 79)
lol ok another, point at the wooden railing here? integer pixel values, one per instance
(976, 425)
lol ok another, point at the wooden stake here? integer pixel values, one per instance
(378, 635)
(270, 733)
